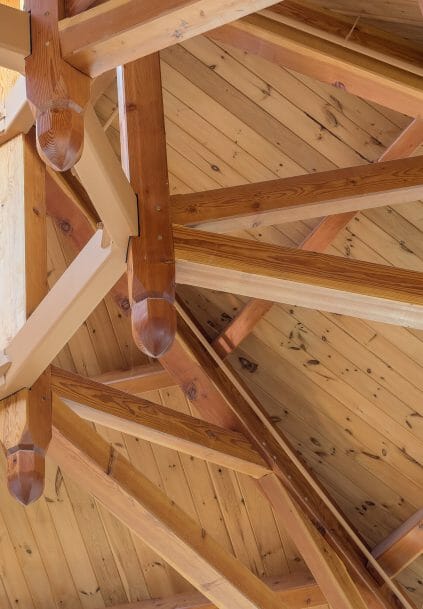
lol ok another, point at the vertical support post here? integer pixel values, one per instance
(25, 417)
(25, 432)
(58, 92)
(151, 261)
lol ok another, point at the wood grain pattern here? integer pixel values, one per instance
(144, 419)
(117, 32)
(127, 493)
(58, 92)
(299, 198)
(151, 259)
(330, 283)
(355, 72)
(303, 487)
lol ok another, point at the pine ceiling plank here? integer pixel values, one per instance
(62, 514)
(198, 60)
(331, 150)
(96, 541)
(13, 577)
(302, 278)
(269, 156)
(302, 197)
(136, 416)
(142, 506)
(160, 577)
(360, 74)
(116, 32)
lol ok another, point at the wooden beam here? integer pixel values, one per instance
(67, 305)
(83, 455)
(120, 31)
(402, 547)
(326, 61)
(297, 591)
(25, 433)
(58, 92)
(251, 418)
(301, 197)
(241, 326)
(74, 7)
(143, 419)
(15, 41)
(16, 116)
(329, 283)
(102, 177)
(317, 241)
(151, 258)
(139, 379)
(348, 32)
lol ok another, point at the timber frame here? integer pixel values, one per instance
(43, 408)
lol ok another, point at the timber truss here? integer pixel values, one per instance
(67, 54)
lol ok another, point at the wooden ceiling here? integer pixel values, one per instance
(348, 393)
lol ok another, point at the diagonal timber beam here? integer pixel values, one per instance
(66, 306)
(219, 400)
(348, 32)
(307, 279)
(228, 403)
(402, 547)
(102, 176)
(375, 80)
(301, 197)
(297, 591)
(15, 41)
(317, 241)
(119, 31)
(143, 419)
(82, 454)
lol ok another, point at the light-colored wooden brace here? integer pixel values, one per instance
(151, 262)
(58, 92)
(25, 433)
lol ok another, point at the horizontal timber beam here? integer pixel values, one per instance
(147, 377)
(119, 31)
(307, 279)
(370, 78)
(301, 197)
(141, 418)
(94, 464)
(348, 32)
(402, 547)
(297, 591)
(15, 40)
(63, 310)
